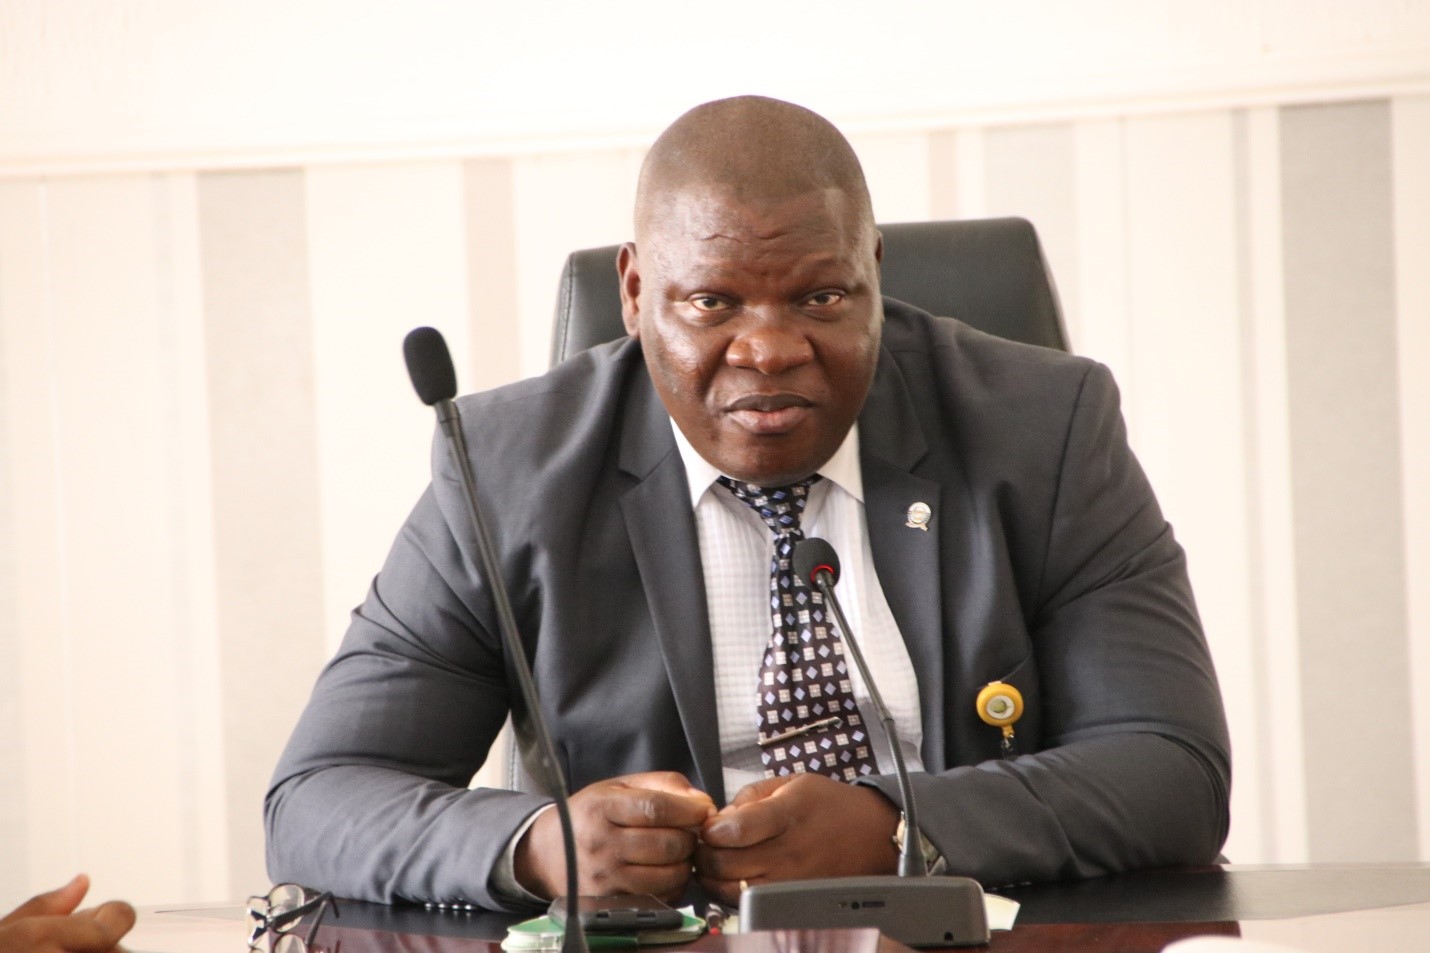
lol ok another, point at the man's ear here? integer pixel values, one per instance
(630, 276)
(879, 247)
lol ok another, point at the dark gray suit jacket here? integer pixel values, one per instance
(1047, 564)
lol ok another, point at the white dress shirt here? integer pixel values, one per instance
(735, 551)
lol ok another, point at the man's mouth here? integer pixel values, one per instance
(769, 413)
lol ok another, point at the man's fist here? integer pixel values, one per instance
(796, 827)
(634, 834)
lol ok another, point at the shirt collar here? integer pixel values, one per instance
(842, 469)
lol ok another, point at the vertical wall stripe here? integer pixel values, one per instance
(22, 525)
(1104, 328)
(970, 181)
(1410, 170)
(176, 302)
(386, 253)
(1271, 541)
(109, 473)
(197, 699)
(259, 336)
(1031, 172)
(101, 381)
(1346, 479)
(494, 322)
(943, 174)
(1187, 412)
(897, 169)
(563, 203)
(41, 577)
(12, 738)
(1255, 836)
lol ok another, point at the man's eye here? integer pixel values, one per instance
(708, 303)
(825, 298)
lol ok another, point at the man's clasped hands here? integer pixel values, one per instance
(654, 833)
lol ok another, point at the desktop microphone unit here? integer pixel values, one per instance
(912, 907)
(429, 364)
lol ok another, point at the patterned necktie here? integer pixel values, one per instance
(805, 711)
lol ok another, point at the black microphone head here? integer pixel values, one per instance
(429, 364)
(812, 555)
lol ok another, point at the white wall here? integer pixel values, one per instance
(217, 219)
(178, 84)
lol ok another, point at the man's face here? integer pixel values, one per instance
(760, 325)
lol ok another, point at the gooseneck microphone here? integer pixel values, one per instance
(429, 364)
(816, 562)
(912, 907)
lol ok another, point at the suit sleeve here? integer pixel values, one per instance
(1134, 770)
(370, 798)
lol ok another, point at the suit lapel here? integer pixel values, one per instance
(662, 531)
(906, 558)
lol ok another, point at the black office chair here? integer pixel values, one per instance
(989, 273)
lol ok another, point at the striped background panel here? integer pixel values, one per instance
(207, 442)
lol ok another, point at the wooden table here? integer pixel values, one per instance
(1317, 908)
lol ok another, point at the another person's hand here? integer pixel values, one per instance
(634, 834)
(793, 828)
(49, 924)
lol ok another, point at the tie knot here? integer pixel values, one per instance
(779, 506)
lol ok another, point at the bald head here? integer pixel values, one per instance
(756, 151)
(753, 286)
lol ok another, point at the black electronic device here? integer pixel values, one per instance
(620, 913)
(912, 907)
(429, 364)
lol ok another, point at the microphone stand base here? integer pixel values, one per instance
(922, 911)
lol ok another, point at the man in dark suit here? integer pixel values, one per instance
(994, 524)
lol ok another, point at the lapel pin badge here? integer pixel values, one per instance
(918, 517)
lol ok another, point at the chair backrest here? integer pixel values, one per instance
(989, 273)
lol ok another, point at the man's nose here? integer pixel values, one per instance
(770, 344)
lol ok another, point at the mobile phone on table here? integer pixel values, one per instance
(620, 913)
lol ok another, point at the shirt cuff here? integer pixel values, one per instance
(503, 879)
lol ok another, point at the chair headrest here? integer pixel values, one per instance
(989, 273)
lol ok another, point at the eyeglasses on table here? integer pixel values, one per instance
(280, 914)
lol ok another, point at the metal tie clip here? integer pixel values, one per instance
(786, 735)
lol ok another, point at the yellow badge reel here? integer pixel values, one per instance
(1001, 705)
